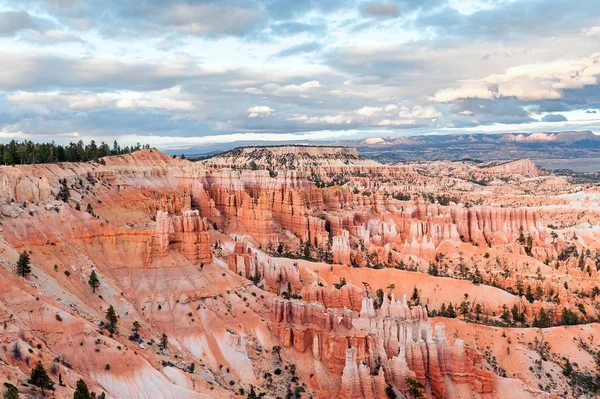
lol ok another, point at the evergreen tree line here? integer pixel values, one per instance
(28, 152)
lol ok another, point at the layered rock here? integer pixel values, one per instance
(188, 232)
(522, 166)
(322, 162)
(347, 295)
(169, 202)
(340, 248)
(243, 261)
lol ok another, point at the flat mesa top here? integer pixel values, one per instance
(298, 149)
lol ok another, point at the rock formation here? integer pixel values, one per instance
(187, 231)
(396, 339)
(260, 248)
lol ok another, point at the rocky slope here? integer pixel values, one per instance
(279, 268)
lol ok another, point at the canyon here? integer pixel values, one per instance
(300, 271)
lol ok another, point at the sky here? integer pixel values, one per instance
(189, 72)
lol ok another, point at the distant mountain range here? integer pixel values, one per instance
(474, 139)
(579, 151)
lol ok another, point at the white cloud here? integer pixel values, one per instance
(364, 80)
(87, 101)
(594, 31)
(78, 101)
(260, 111)
(298, 118)
(374, 116)
(419, 112)
(253, 90)
(396, 122)
(339, 119)
(531, 82)
(467, 89)
(168, 99)
(368, 111)
(290, 90)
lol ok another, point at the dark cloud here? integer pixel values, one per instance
(551, 106)
(205, 18)
(289, 9)
(45, 72)
(469, 112)
(386, 62)
(115, 18)
(301, 48)
(585, 97)
(12, 22)
(381, 10)
(291, 28)
(512, 19)
(33, 29)
(210, 19)
(554, 118)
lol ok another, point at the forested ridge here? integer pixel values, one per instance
(28, 152)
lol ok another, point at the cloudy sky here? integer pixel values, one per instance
(187, 72)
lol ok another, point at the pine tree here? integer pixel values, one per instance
(464, 309)
(478, 311)
(415, 388)
(568, 317)
(11, 391)
(164, 342)
(415, 297)
(516, 315)
(7, 158)
(277, 350)
(433, 269)
(64, 194)
(443, 310)
(595, 292)
(252, 393)
(93, 281)
(476, 277)
(529, 295)
(40, 378)
(450, 311)
(82, 391)
(543, 319)
(111, 317)
(505, 315)
(23, 266)
(136, 329)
